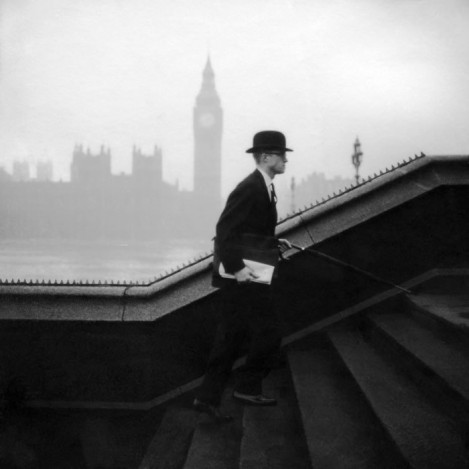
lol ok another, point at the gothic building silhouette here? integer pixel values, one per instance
(97, 204)
(208, 128)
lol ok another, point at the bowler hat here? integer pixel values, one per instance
(268, 140)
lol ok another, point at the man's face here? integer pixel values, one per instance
(276, 161)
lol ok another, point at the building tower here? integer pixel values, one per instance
(208, 125)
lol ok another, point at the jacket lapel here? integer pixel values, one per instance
(272, 207)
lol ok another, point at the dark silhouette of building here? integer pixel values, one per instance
(21, 171)
(208, 127)
(89, 168)
(44, 171)
(148, 169)
(97, 204)
(313, 187)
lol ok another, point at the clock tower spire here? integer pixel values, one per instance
(208, 125)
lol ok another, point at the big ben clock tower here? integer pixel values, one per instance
(208, 124)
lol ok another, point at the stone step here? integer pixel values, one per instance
(168, 448)
(438, 357)
(273, 436)
(340, 428)
(450, 310)
(426, 438)
(214, 445)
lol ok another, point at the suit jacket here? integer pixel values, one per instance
(250, 215)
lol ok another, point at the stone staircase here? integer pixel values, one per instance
(387, 389)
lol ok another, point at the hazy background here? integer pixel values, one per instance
(121, 72)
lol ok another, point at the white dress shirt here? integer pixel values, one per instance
(268, 182)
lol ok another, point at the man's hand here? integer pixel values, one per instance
(284, 245)
(245, 275)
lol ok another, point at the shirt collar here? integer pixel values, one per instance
(268, 180)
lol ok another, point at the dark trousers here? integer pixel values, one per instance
(247, 315)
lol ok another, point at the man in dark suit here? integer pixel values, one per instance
(247, 223)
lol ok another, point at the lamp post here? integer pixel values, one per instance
(357, 157)
(292, 188)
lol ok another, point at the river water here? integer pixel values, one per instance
(87, 261)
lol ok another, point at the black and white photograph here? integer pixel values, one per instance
(234, 234)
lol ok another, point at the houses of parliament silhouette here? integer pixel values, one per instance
(97, 204)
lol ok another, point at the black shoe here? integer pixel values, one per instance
(211, 411)
(258, 400)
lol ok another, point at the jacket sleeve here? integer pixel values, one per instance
(230, 227)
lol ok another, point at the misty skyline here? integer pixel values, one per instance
(122, 73)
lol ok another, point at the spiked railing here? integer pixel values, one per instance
(352, 187)
(109, 283)
(200, 258)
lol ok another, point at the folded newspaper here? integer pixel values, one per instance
(264, 271)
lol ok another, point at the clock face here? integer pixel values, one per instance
(206, 119)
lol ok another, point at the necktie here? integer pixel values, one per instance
(273, 195)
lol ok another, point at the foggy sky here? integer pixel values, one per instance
(121, 72)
